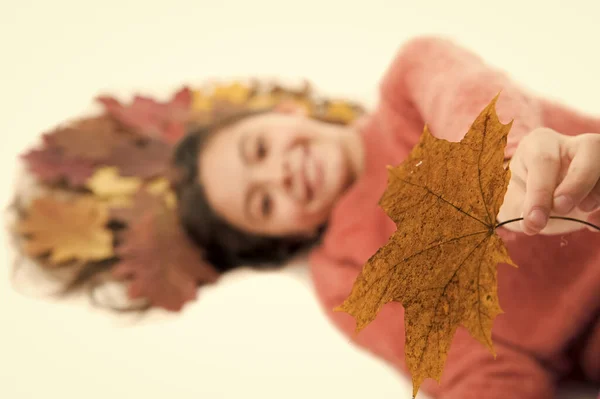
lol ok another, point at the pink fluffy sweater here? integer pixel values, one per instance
(551, 325)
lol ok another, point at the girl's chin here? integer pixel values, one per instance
(317, 215)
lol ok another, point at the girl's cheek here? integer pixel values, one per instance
(298, 216)
(308, 221)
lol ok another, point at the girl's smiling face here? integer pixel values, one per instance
(279, 174)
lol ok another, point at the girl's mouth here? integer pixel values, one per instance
(312, 174)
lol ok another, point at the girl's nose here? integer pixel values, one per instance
(286, 177)
(278, 174)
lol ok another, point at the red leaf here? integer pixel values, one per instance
(51, 166)
(183, 98)
(90, 138)
(166, 121)
(144, 160)
(160, 262)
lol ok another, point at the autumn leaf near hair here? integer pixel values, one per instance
(130, 212)
(92, 138)
(233, 93)
(66, 230)
(158, 260)
(157, 120)
(162, 187)
(340, 111)
(231, 98)
(51, 166)
(143, 159)
(441, 261)
(70, 153)
(110, 187)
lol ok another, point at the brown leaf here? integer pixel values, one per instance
(67, 230)
(143, 159)
(92, 139)
(160, 262)
(157, 190)
(71, 152)
(51, 166)
(157, 120)
(441, 261)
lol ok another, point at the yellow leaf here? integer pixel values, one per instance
(200, 102)
(67, 230)
(262, 101)
(117, 201)
(235, 93)
(441, 261)
(162, 187)
(340, 111)
(108, 185)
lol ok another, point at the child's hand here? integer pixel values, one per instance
(553, 174)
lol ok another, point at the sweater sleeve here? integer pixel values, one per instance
(449, 86)
(473, 373)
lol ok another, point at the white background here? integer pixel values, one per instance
(255, 335)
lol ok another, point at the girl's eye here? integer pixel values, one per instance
(261, 149)
(266, 205)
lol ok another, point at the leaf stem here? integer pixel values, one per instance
(551, 217)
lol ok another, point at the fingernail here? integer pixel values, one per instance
(563, 204)
(537, 218)
(589, 205)
(596, 201)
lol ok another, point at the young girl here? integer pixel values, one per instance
(260, 187)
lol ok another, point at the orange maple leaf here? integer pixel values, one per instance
(441, 261)
(67, 230)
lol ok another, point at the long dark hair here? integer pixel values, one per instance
(225, 246)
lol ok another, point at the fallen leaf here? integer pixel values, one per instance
(441, 261)
(51, 166)
(200, 101)
(67, 230)
(234, 93)
(339, 111)
(127, 213)
(109, 186)
(160, 262)
(162, 187)
(262, 101)
(92, 139)
(161, 121)
(143, 159)
(72, 152)
(223, 110)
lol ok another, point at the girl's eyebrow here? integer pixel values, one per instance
(248, 202)
(242, 148)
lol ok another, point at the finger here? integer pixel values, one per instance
(543, 168)
(592, 201)
(582, 176)
(594, 218)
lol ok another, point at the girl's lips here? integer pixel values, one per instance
(312, 173)
(306, 180)
(319, 174)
